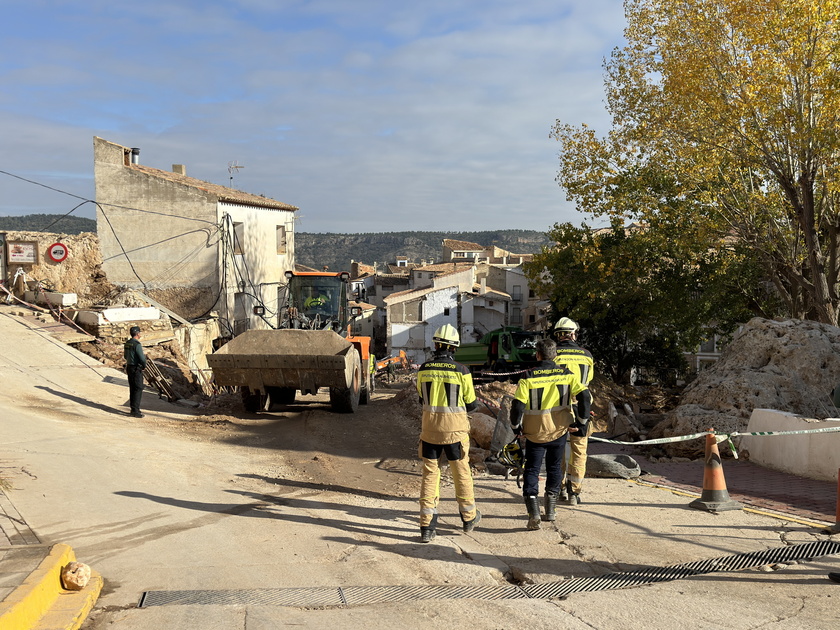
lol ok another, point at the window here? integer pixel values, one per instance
(516, 317)
(532, 319)
(516, 296)
(446, 311)
(238, 237)
(531, 294)
(406, 312)
(281, 239)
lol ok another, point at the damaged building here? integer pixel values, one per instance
(191, 246)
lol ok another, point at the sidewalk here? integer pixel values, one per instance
(748, 483)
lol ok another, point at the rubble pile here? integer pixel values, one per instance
(790, 366)
(79, 273)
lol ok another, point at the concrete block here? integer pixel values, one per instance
(148, 313)
(812, 455)
(60, 299)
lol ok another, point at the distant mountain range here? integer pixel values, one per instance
(55, 223)
(335, 251)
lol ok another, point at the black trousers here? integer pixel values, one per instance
(135, 386)
(535, 452)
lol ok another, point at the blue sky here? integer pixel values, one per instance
(370, 116)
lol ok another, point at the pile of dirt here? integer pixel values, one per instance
(790, 366)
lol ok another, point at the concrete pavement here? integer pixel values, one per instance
(155, 510)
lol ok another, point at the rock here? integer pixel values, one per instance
(478, 455)
(75, 576)
(624, 430)
(482, 427)
(790, 366)
(613, 466)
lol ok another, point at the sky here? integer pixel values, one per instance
(368, 115)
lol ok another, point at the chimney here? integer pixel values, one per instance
(135, 155)
(483, 286)
(179, 169)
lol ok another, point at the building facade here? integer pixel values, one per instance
(193, 246)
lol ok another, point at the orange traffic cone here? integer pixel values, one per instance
(715, 497)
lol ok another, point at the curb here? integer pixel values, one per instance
(42, 603)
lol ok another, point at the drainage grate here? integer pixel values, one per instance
(357, 595)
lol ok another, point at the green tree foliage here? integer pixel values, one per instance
(738, 102)
(643, 297)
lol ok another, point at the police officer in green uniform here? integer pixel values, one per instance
(446, 392)
(543, 411)
(135, 361)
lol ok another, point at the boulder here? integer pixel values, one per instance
(790, 366)
(613, 466)
(482, 427)
(478, 455)
(75, 576)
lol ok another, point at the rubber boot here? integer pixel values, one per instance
(550, 506)
(427, 534)
(533, 505)
(564, 494)
(567, 492)
(470, 525)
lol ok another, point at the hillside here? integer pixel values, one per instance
(48, 223)
(336, 251)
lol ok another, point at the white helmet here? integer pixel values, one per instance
(565, 326)
(447, 335)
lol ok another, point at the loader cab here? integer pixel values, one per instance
(315, 300)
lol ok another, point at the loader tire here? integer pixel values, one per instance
(367, 385)
(346, 399)
(254, 402)
(281, 395)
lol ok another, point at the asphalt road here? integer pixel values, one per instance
(243, 509)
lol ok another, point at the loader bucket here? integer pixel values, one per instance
(286, 358)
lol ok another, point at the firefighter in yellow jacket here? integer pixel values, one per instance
(544, 410)
(446, 392)
(579, 360)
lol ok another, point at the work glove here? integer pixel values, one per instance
(517, 429)
(577, 427)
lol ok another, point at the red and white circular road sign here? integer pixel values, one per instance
(57, 252)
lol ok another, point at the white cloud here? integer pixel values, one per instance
(369, 116)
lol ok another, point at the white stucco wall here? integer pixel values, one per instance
(815, 455)
(259, 261)
(151, 229)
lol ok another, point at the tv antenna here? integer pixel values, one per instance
(233, 167)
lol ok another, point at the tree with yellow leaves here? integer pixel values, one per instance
(736, 103)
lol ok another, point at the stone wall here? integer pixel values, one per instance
(80, 273)
(117, 332)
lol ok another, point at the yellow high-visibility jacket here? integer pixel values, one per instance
(576, 359)
(446, 392)
(542, 406)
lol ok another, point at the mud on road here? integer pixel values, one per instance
(370, 452)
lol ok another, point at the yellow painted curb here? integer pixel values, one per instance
(42, 603)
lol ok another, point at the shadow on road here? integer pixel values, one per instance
(82, 401)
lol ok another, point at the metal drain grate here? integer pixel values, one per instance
(357, 595)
